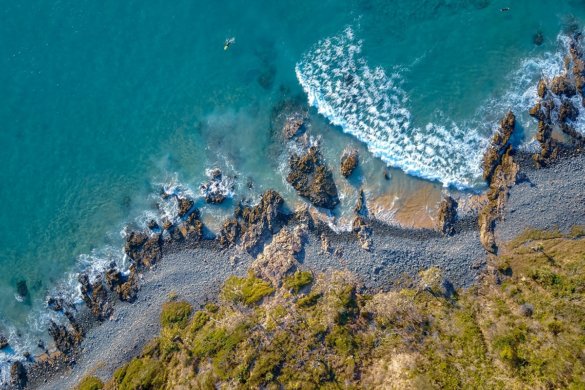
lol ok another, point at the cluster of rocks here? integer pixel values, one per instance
(361, 226)
(294, 125)
(95, 297)
(447, 216)
(3, 341)
(500, 172)
(251, 226)
(217, 188)
(349, 162)
(312, 179)
(556, 105)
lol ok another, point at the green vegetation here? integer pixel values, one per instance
(298, 280)
(248, 290)
(175, 314)
(520, 327)
(90, 383)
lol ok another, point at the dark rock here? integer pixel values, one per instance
(349, 162)
(95, 297)
(3, 341)
(185, 206)
(251, 226)
(561, 85)
(363, 232)
(567, 111)
(312, 179)
(123, 285)
(538, 38)
(66, 340)
(190, 229)
(166, 224)
(526, 310)
(144, 249)
(266, 79)
(22, 289)
(447, 216)
(216, 189)
(18, 376)
(499, 144)
(55, 304)
(360, 206)
(538, 112)
(152, 225)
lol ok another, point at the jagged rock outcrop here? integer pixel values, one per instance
(3, 341)
(143, 248)
(498, 146)
(447, 216)
(501, 177)
(66, 340)
(349, 162)
(184, 206)
(279, 257)
(216, 189)
(250, 226)
(125, 286)
(360, 207)
(189, 229)
(18, 375)
(561, 85)
(294, 125)
(363, 231)
(311, 178)
(95, 297)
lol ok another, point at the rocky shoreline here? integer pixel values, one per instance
(175, 257)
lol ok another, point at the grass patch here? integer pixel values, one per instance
(175, 314)
(298, 280)
(90, 383)
(248, 290)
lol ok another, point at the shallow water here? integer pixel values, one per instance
(104, 102)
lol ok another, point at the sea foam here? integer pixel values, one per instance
(371, 105)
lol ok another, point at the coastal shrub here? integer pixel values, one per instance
(175, 314)
(200, 318)
(90, 383)
(248, 290)
(298, 280)
(145, 373)
(309, 299)
(341, 340)
(577, 231)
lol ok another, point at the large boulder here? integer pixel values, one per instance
(3, 341)
(143, 248)
(294, 125)
(349, 162)
(311, 178)
(447, 216)
(66, 340)
(125, 286)
(184, 205)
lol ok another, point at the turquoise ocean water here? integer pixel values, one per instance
(102, 102)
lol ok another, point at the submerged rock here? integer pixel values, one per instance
(294, 125)
(144, 249)
(538, 38)
(21, 290)
(311, 178)
(447, 216)
(349, 162)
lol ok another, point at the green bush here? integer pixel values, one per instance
(144, 374)
(175, 314)
(298, 280)
(309, 300)
(248, 290)
(90, 383)
(199, 320)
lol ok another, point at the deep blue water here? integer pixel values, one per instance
(101, 102)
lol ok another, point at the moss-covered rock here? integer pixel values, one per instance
(90, 383)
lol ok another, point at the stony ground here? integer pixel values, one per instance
(546, 198)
